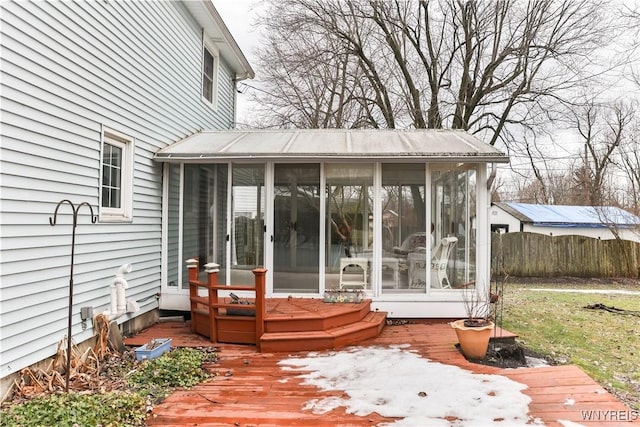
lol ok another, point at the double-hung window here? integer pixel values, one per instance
(116, 192)
(209, 74)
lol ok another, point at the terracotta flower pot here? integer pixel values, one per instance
(474, 340)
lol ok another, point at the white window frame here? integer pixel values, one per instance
(125, 212)
(207, 46)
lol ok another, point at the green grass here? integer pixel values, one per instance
(605, 345)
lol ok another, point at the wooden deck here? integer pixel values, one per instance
(297, 324)
(250, 388)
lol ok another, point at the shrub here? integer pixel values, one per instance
(179, 368)
(68, 409)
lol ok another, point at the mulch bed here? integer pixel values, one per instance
(510, 356)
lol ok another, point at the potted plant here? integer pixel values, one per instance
(474, 331)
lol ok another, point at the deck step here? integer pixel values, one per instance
(320, 320)
(290, 324)
(368, 327)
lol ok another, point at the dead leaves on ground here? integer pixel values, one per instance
(84, 372)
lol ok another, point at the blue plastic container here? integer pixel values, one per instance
(142, 353)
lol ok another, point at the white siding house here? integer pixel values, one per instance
(600, 222)
(90, 87)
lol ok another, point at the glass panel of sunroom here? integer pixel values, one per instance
(247, 228)
(218, 219)
(404, 239)
(204, 217)
(296, 234)
(349, 225)
(173, 227)
(453, 214)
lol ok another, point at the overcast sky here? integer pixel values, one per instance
(238, 15)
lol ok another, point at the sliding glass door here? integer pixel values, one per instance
(247, 222)
(349, 225)
(204, 220)
(404, 234)
(296, 228)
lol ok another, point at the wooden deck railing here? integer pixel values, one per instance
(206, 318)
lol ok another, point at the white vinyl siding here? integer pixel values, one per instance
(68, 69)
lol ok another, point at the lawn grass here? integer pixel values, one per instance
(606, 345)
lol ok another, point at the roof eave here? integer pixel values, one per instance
(230, 49)
(176, 158)
(583, 225)
(514, 212)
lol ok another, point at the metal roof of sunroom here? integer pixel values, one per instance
(332, 144)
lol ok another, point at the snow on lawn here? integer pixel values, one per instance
(395, 382)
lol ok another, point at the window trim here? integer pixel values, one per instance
(207, 46)
(125, 212)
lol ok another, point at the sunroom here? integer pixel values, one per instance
(401, 215)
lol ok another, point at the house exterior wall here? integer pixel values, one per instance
(499, 217)
(596, 233)
(68, 71)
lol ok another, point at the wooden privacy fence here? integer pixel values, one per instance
(539, 255)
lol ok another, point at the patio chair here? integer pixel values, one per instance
(439, 262)
(410, 244)
(361, 281)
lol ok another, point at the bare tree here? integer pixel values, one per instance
(630, 154)
(486, 67)
(631, 16)
(311, 80)
(551, 189)
(630, 165)
(602, 129)
(504, 70)
(310, 83)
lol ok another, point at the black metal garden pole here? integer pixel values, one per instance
(53, 221)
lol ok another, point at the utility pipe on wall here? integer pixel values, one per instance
(119, 304)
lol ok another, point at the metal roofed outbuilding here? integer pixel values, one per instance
(572, 216)
(597, 222)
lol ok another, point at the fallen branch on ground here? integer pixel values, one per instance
(611, 309)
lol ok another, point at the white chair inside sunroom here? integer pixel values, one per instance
(439, 262)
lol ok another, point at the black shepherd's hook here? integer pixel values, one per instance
(52, 221)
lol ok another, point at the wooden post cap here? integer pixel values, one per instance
(212, 267)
